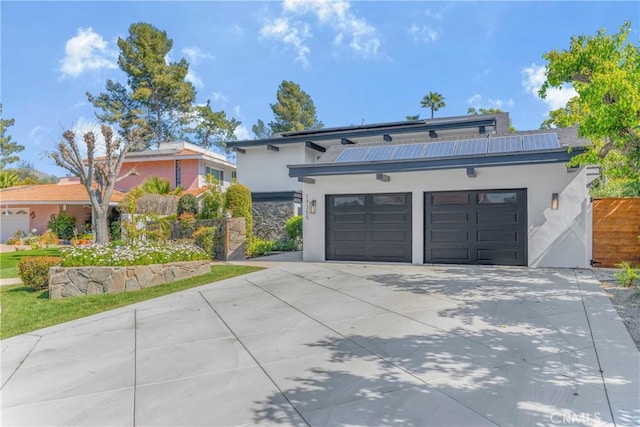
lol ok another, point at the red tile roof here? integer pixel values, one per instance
(54, 193)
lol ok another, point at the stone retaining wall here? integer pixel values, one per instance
(73, 281)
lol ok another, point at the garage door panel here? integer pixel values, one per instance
(447, 217)
(497, 256)
(450, 255)
(497, 217)
(497, 236)
(369, 227)
(449, 236)
(390, 218)
(491, 228)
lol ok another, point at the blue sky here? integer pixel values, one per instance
(368, 61)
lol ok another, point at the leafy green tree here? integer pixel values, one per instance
(475, 111)
(413, 118)
(8, 148)
(211, 128)
(434, 101)
(8, 179)
(294, 111)
(158, 87)
(605, 72)
(260, 130)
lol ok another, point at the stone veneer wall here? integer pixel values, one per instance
(73, 281)
(269, 219)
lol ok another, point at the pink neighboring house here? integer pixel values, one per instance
(28, 208)
(182, 163)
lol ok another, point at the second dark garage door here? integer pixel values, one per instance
(368, 227)
(476, 227)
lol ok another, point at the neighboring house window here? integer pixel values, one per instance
(178, 173)
(234, 177)
(217, 174)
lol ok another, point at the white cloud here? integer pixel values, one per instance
(424, 34)
(533, 78)
(219, 97)
(243, 133)
(350, 30)
(476, 101)
(292, 34)
(194, 54)
(86, 51)
(194, 78)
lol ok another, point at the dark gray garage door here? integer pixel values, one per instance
(476, 227)
(369, 227)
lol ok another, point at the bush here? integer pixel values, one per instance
(205, 238)
(285, 245)
(212, 203)
(294, 227)
(49, 238)
(238, 203)
(187, 203)
(34, 271)
(256, 247)
(63, 225)
(628, 275)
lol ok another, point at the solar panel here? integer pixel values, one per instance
(472, 146)
(505, 144)
(409, 151)
(439, 149)
(380, 153)
(542, 141)
(352, 155)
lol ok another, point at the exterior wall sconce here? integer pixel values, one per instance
(433, 134)
(471, 172)
(313, 207)
(387, 137)
(32, 214)
(382, 177)
(555, 201)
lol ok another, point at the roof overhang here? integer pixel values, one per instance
(49, 202)
(560, 155)
(364, 132)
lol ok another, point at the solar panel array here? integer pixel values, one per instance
(467, 147)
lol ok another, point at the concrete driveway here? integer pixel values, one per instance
(334, 344)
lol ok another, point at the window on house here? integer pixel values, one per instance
(215, 173)
(234, 176)
(178, 173)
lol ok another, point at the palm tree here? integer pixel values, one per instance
(157, 185)
(434, 101)
(413, 118)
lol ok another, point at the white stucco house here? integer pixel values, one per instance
(460, 190)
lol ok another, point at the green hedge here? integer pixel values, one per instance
(238, 203)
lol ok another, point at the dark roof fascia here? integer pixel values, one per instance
(277, 196)
(356, 133)
(522, 158)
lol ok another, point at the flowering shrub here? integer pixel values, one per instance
(34, 270)
(137, 253)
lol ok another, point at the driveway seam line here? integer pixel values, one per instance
(595, 348)
(135, 364)
(362, 347)
(22, 361)
(255, 359)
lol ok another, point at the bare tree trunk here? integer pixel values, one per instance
(102, 228)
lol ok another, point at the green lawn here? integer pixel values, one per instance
(8, 260)
(25, 311)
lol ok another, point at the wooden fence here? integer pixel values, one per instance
(616, 225)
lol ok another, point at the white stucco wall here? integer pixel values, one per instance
(265, 171)
(556, 238)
